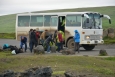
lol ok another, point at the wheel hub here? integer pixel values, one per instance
(72, 44)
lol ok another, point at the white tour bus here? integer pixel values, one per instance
(88, 24)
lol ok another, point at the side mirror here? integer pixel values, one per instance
(82, 15)
(101, 16)
(85, 15)
(109, 21)
(108, 18)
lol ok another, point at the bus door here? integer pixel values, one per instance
(53, 23)
(61, 25)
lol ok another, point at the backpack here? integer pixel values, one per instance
(14, 48)
(5, 46)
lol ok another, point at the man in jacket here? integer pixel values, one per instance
(23, 42)
(54, 36)
(42, 36)
(37, 36)
(31, 30)
(47, 43)
(33, 41)
(77, 40)
(59, 41)
(62, 33)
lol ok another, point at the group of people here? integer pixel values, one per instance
(57, 38)
(46, 39)
(33, 40)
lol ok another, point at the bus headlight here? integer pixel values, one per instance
(87, 37)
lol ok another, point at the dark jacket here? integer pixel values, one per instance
(77, 36)
(33, 36)
(30, 35)
(23, 40)
(49, 39)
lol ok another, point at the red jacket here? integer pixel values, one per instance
(60, 37)
(37, 35)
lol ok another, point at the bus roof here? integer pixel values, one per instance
(57, 13)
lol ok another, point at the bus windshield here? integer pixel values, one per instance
(94, 21)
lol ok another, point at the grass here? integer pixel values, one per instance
(108, 40)
(110, 58)
(7, 35)
(7, 23)
(59, 64)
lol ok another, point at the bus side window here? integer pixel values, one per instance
(47, 20)
(54, 21)
(36, 20)
(23, 21)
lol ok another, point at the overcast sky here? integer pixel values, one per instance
(19, 6)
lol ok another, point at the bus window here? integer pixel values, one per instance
(47, 20)
(36, 20)
(73, 20)
(23, 21)
(54, 21)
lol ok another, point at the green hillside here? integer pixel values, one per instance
(7, 23)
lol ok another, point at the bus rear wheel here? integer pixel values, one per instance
(88, 47)
(70, 43)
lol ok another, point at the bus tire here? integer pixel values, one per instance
(88, 47)
(70, 43)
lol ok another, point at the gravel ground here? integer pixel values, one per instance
(109, 48)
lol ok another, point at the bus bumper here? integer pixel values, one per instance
(92, 42)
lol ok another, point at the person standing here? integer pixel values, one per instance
(33, 40)
(59, 41)
(31, 30)
(54, 36)
(63, 39)
(76, 40)
(37, 36)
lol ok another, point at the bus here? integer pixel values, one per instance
(88, 24)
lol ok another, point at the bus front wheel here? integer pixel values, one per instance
(70, 43)
(88, 47)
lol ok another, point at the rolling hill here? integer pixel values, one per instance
(7, 22)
